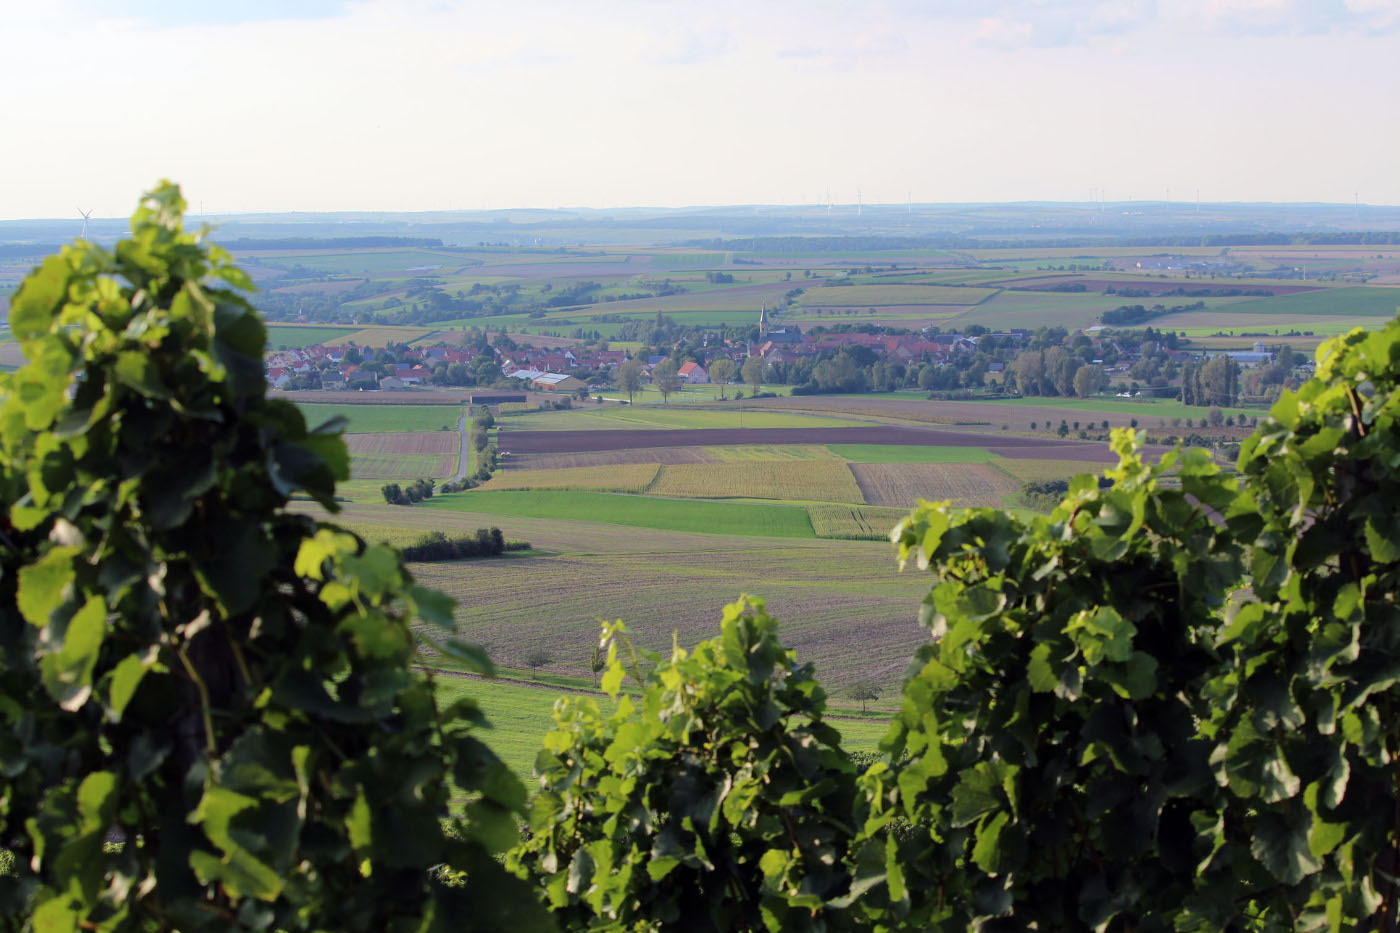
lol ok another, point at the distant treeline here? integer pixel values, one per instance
(837, 244)
(1128, 315)
(487, 542)
(347, 242)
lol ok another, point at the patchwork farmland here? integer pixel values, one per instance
(659, 513)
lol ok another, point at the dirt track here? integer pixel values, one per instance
(545, 442)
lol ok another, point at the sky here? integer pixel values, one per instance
(412, 105)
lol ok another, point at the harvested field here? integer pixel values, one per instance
(1039, 471)
(662, 455)
(380, 336)
(540, 442)
(632, 477)
(819, 480)
(766, 452)
(395, 456)
(881, 453)
(662, 581)
(854, 522)
(901, 484)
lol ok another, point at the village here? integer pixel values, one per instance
(1046, 361)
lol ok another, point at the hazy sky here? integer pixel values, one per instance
(431, 104)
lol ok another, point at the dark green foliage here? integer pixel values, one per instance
(1050, 726)
(487, 542)
(223, 685)
(719, 801)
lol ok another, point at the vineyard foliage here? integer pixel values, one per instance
(187, 669)
(1170, 705)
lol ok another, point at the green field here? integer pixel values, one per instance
(286, 336)
(1331, 302)
(381, 419)
(860, 296)
(772, 521)
(890, 453)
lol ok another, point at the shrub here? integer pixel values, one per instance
(724, 805)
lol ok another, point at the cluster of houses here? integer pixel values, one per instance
(336, 372)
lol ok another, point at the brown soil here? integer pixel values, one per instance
(542, 442)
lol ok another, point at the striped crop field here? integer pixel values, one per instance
(598, 458)
(861, 296)
(858, 522)
(769, 452)
(426, 454)
(629, 477)
(893, 453)
(721, 518)
(818, 480)
(902, 484)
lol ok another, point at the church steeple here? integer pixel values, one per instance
(763, 321)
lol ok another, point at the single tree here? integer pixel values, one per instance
(597, 663)
(722, 372)
(629, 378)
(1088, 380)
(753, 371)
(865, 691)
(537, 658)
(668, 378)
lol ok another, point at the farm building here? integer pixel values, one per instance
(556, 382)
(693, 374)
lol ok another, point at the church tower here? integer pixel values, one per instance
(763, 322)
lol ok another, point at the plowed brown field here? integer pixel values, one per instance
(901, 484)
(541, 442)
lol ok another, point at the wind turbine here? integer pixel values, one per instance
(86, 215)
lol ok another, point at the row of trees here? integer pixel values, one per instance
(1053, 371)
(1169, 705)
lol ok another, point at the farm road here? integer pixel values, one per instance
(462, 457)
(543, 442)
